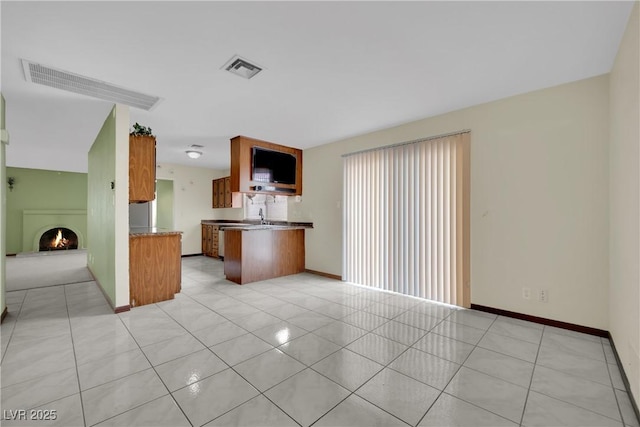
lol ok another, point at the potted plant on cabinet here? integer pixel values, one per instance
(139, 130)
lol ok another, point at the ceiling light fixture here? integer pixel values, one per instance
(193, 154)
(241, 67)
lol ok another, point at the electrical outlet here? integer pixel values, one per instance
(543, 295)
(526, 293)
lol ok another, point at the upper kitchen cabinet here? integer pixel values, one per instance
(222, 196)
(142, 168)
(264, 167)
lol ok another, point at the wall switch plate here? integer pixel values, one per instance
(526, 293)
(543, 295)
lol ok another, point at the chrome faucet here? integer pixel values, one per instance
(261, 216)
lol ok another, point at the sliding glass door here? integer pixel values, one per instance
(406, 218)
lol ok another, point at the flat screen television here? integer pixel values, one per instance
(273, 166)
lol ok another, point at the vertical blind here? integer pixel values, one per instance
(406, 218)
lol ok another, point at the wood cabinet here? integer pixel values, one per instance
(227, 192)
(210, 240)
(215, 203)
(222, 196)
(241, 168)
(253, 255)
(221, 193)
(142, 168)
(155, 267)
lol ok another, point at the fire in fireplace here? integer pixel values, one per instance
(57, 239)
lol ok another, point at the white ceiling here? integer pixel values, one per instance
(332, 69)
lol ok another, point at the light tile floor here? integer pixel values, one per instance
(298, 350)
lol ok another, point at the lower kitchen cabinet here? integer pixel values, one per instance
(210, 240)
(155, 267)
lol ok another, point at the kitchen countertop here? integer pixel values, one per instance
(256, 225)
(151, 231)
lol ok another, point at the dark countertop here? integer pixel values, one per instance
(249, 225)
(151, 231)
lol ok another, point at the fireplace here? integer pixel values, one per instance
(36, 223)
(58, 239)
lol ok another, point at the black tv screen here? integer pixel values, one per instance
(273, 166)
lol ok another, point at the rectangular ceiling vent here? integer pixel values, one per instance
(241, 67)
(60, 79)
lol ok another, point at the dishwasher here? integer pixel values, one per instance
(221, 244)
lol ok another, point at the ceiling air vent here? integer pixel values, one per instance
(60, 79)
(241, 67)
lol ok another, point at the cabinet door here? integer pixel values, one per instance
(142, 168)
(154, 268)
(204, 239)
(210, 243)
(221, 193)
(227, 192)
(214, 203)
(214, 239)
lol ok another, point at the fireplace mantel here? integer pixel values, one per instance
(37, 221)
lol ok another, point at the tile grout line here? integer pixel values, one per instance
(41, 375)
(135, 407)
(574, 376)
(533, 372)
(458, 370)
(232, 367)
(387, 366)
(375, 301)
(238, 297)
(306, 366)
(383, 368)
(14, 326)
(344, 347)
(75, 358)
(308, 331)
(155, 371)
(260, 393)
(615, 395)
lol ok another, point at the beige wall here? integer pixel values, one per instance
(192, 201)
(624, 163)
(539, 191)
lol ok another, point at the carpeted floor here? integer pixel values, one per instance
(38, 270)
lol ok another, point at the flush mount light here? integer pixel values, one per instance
(194, 151)
(241, 67)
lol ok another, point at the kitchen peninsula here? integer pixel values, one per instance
(255, 251)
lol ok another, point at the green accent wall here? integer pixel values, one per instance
(37, 189)
(164, 200)
(101, 214)
(3, 216)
